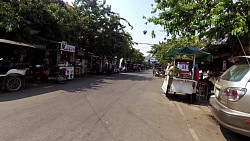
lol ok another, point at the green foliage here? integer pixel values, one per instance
(88, 24)
(159, 50)
(136, 56)
(204, 18)
(7, 14)
(199, 22)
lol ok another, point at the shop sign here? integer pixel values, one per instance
(68, 48)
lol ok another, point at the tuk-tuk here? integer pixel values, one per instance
(15, 59)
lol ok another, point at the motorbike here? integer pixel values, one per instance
(56, 74)
(159, 73)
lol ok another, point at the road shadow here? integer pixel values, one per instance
(81, 84)
(186, 99)
(231, 136)
(34, 89)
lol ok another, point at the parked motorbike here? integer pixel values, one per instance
(56, 74)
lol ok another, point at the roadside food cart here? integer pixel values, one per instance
(186, 82)
(62, 56)
(66, 59)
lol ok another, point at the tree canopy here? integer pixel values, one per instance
(211, 19)
(201, 21)
(88, 24)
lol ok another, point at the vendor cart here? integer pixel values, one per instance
(186, 82)
(62, 55)
(67, 57)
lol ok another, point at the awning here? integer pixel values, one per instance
(200, 56)
(16, 43)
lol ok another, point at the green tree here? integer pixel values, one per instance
(89, 24)
(21, 20)
(137, 57)
(105, 34)
(206, 19)
(26, 20)
(159, 50)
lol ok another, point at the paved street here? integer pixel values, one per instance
(120, 107)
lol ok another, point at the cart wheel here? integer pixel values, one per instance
(38, 78)
(61, 79)
(14, 83)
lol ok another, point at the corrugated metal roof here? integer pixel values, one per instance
(16, 43)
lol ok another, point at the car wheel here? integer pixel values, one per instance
(14, 83)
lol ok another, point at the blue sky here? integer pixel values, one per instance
(133, 11)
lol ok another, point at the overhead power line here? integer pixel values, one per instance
(144, 43)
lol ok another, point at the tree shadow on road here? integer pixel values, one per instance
(34, 89)
(82, 84)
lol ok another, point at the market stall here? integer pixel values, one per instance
(185, 82)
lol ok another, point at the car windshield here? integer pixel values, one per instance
(236, 72)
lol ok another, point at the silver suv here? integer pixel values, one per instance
(231, 102)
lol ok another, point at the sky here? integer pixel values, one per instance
(133, 11)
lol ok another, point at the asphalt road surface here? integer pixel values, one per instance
(120, 107)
